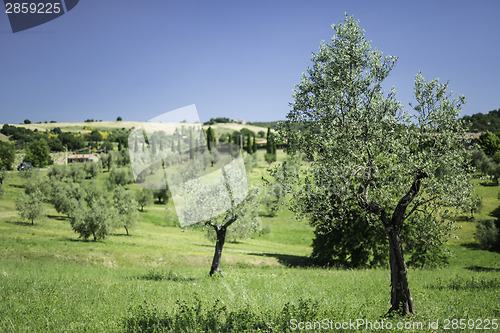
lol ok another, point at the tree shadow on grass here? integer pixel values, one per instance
(28, 224)
(464, 218)
(472, 246)
(288, 260)
(489, 184)
(482, 269)
(164, 275)
(58, 217)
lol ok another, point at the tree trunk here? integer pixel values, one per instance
(95, 238)
(126, 229)
(221, 238)
(400, 292)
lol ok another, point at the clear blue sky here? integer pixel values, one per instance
(239, 59)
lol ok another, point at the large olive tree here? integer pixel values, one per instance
(364, 150)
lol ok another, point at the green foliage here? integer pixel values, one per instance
(487, 234)
(92, 169)
(30, 206)
(144, 198)
(120, 177)
(7, 155)
(27, 121)
(485, 164)
(95, 136)
(162, 195)
(270, 158)
(38, 153)
(270, 155)
(125, 207)
(93, 216)
(71, 141)
(76, 172)
(366, 153)
(248, 221)
(484, 122)
(65, 196)
(489, 142)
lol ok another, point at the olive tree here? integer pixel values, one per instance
(144, 198)
(30, 206)
(363, 149)
(236, 221)
(92, 216)
(125, 208)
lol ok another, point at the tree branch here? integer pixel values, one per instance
(399, 213)
(415, 208)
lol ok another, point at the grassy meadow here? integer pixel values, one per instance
(157, 278)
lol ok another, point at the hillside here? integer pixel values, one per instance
(86, 127)
(484, 122)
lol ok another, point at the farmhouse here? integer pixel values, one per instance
(82, 158)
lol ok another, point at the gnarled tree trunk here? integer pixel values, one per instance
(400, 292)
(221, 238)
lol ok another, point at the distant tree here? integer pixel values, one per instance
(76, 172)
(55, 144)
(71, 141)
(120, 177)
(125, 207)
(254, 144)
(7, 155)
(30, 206)
(92, 216)
(27, 121)
(92, 169)
(162, 195)
(119, 118)
(3, 175)
(489, 142)
(65, 196)
(270, 155)
(261, 134)
(107, 160)
(210, 138)
(56, 130)
(484, 122)
(95, 136)
(38, 153)
(144, 198)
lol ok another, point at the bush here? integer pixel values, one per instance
(7, 155)
(92, 217)
(30, 206)
(38, 153)
(218, 317)
(487, 234)
(120, 177)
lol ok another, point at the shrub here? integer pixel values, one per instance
(487, 234)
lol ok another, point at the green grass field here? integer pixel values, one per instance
(51, 281)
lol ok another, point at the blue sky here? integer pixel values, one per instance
(238, 59)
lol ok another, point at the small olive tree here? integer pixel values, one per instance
(30, 206)
(92, 216)
(144, 198)
(125, 208)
